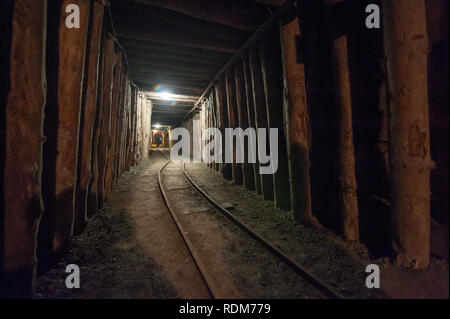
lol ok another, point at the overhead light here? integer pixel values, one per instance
(157, 125)
(166, 95)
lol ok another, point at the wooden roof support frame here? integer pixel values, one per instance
(253, 38)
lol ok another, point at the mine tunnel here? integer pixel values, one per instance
(224, 148)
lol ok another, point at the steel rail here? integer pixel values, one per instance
(299, 269)
(207, 279)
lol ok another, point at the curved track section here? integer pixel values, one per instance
(207, 279)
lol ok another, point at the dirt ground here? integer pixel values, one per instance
(132, 249)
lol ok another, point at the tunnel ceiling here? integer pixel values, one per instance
(179, 45)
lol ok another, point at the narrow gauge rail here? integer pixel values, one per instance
(299, 269)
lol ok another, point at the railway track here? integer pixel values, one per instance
(207, 277)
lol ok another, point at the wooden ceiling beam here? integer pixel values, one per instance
(172, 64)
(236, 14)
(158, 46)
(146, 70)
(150, 88)
(187, 22)
(170, 56)
(174, 97)
(154, 111)
(145, 29)
(166, 79)
(180, 106)
(277, 3)
(158, 80)
(170, 87)
(141, 67)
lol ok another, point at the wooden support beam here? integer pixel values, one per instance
(150, 86)
(272, 70)
(297, 126)
(248, 178)
(143, 29)
(23, 97)
(220, 89)
(220, 11)
(156, 111)
(233, 122)
(250, 106)
(214, 123)
(346, 150)
(172, 65)
(198, 89)
(121, 130)
(110, 62)
(271, 2)
(157, 79)
(172, 77)
(135, 137)
(409, 143)
(187, 22)
(131, 150)
(160, 104)
(139, 66)
(259, 102)
(173, 97)
(67, 48)
(250, 42)
(115, 109)
(93, 204)
(89, 110)
(153, 46)
(173, 56)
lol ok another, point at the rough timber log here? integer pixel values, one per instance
(116, 92)
(162, 75)
(297, 120)
(208, 121)
(233, 122)
(259, 102)
(406, 46)
(67, 48)
(88, 116)
(219, 11)
(171, 65)
(212, 103)
(138, 134)
(195, 90)
(130, 153)
(108, 75)
(270, 54)
(251, 117)
(189, 23)
(121, 130)
(223, 123)
(146, 127)
(241, 103)
(212, 119)
(346, 149)
(146, 30)
(22, 106)
(216, 124)
(164, 48)
(92, 204)
(172, 56)
(145, 71)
